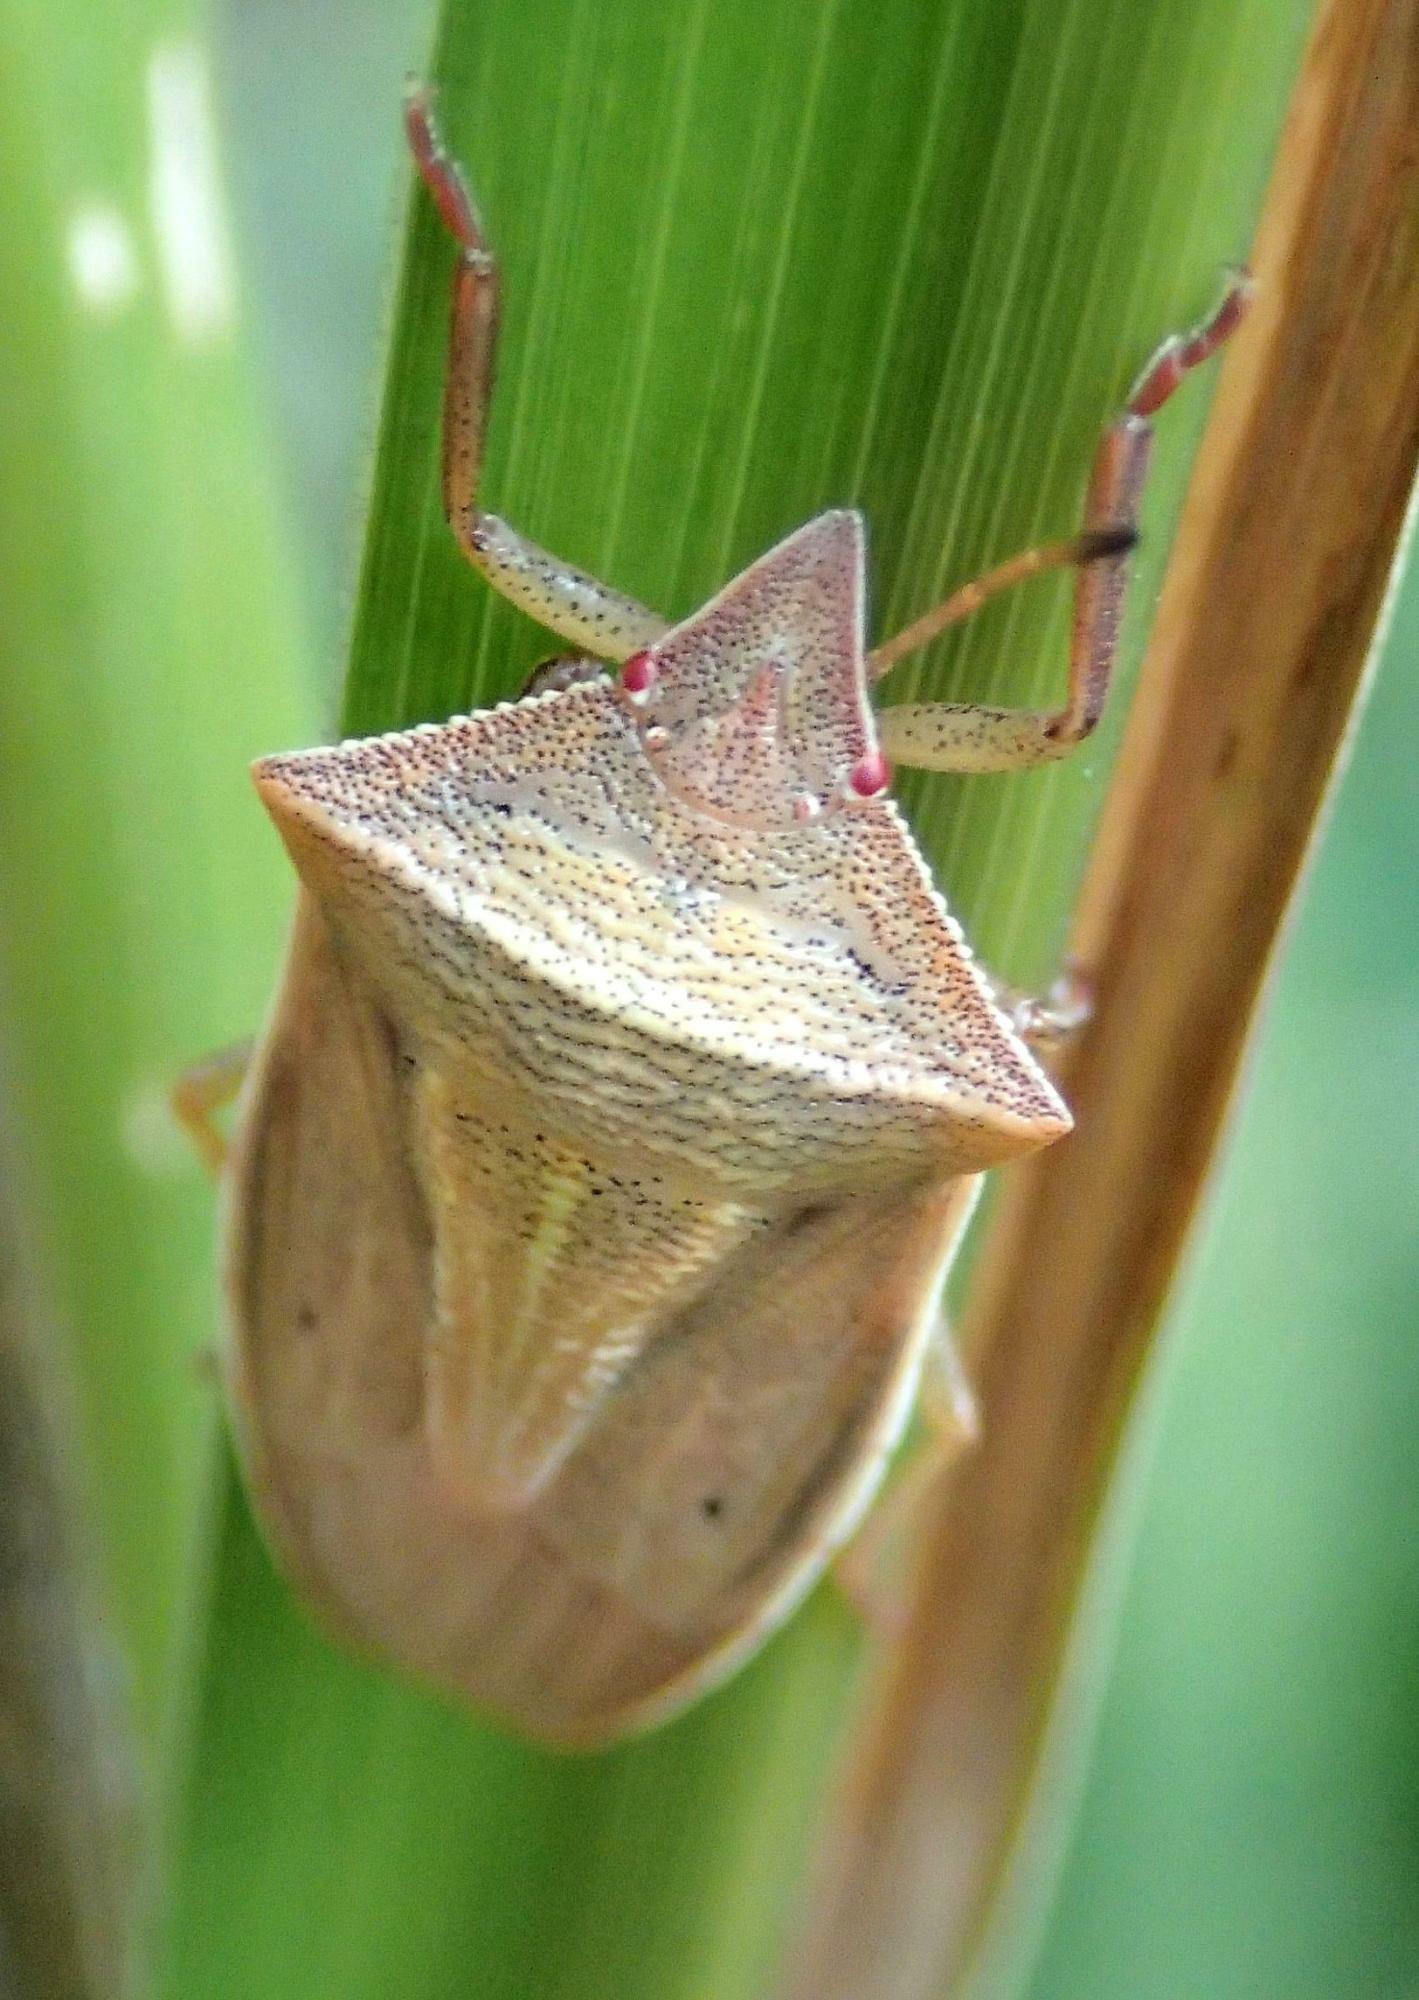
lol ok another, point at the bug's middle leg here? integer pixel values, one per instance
(951, 736)
(576, 606)
(1050, 1019)
(203, 1091)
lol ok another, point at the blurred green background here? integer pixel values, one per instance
(1240, 1758)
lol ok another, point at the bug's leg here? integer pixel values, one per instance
(568, 601)
(872, 1571)
(950, 736)
(204, 1090)
(562, 671)
(948, 1402)
(1044, 1020)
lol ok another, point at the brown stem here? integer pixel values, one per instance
(1266, 628)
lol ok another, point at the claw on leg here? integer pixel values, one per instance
(443, 176)
(1183, 352)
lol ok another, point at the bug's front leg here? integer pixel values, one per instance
(951, 736)
(576, 606)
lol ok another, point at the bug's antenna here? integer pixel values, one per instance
(1099, 552)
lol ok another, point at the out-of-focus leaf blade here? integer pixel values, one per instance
(149, 641)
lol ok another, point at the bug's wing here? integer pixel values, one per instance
(741, 1451)
(696, 1508)
(327, 1267)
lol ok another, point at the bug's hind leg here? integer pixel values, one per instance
(576, 606)
(950, 736)
(874, 1570)
(204, 1090)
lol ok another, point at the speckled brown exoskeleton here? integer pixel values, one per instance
(628, 1088)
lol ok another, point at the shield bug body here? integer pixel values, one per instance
(623, 1102)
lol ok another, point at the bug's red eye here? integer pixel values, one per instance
(869, 775)
(638, 674)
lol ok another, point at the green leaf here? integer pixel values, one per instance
(149, 641)
(150, 646)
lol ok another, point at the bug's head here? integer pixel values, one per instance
(755, 709)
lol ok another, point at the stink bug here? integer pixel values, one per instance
(623, 1102)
